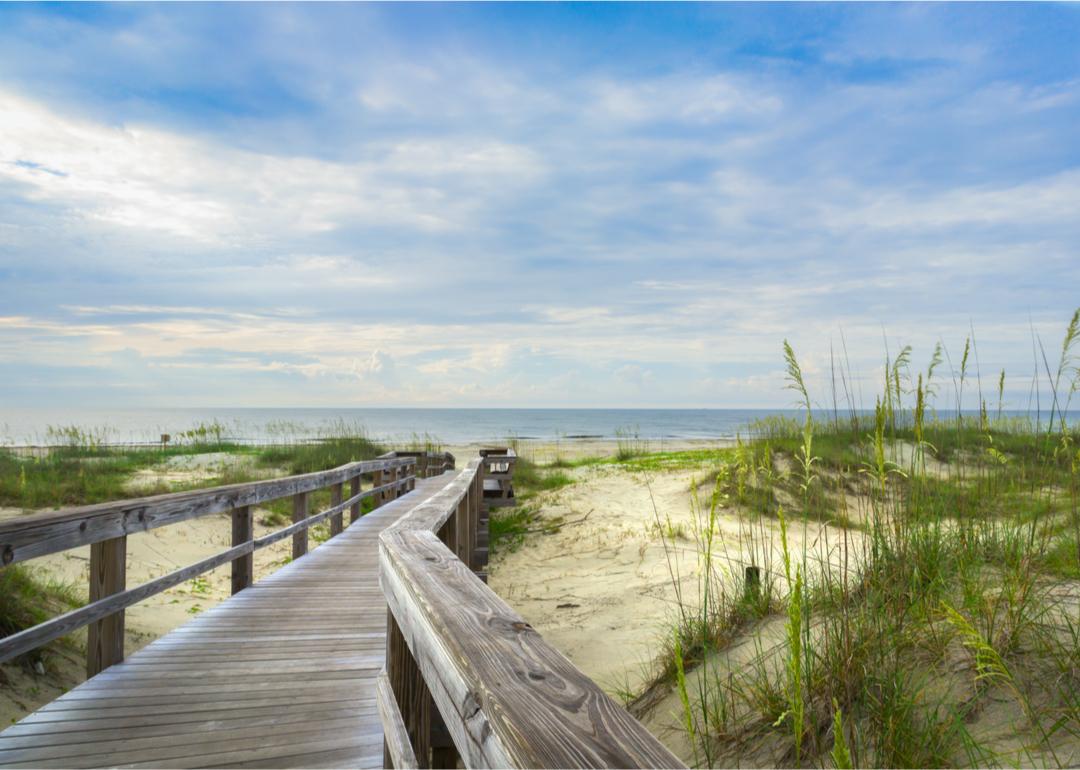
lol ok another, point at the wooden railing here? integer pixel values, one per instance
(467, 679)
(105, 528)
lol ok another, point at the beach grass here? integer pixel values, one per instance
(920, 574)
(29, 596)
(80, 469)
(508, 527)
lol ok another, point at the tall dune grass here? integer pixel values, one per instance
(923, 580)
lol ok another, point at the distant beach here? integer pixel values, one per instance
(392, 426)
(662, 428)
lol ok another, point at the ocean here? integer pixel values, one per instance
(446, 426)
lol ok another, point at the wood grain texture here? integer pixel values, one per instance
(355, 484)
(108, 577)
(283, 674)
(299, 516)
(243, 530)
(39, 534)
(507, 698)
(398, 748)
(337, 523)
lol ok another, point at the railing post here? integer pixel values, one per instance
(299, 513)
(243, 567)
(411, 692)
(354, 490)
(376, 481)
(108, 573)
(477, 515)
(337, 521)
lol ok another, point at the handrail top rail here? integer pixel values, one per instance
(507, 697)
(432, 513)
(40, 534)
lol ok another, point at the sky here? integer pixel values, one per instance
(566, 205)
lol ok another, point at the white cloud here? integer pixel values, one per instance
(147, 179)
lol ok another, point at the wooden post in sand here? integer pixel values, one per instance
(243, 567)
(299, 513)
(108, 575)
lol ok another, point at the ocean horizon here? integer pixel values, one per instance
(395, 424)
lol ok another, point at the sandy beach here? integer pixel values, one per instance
(616, 553)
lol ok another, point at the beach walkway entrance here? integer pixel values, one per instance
(306, 667)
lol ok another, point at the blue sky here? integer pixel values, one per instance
(527, 205)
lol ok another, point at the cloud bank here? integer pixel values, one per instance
(526, 206)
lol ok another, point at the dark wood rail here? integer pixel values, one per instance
(466, 677)
(105, 528)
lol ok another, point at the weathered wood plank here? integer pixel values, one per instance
(27, 537)
(396, 738)
(508, 698)
(108, 577)
(243, 530)
(337, 523)
(88, 731)
(24, 641)
(259, 679)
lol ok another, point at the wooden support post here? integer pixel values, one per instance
(108, 573)
(752, 585)
(465, 510)
(462, 526)
(243, 567)
(452, 527)
(443, 753)
(393, 493)
(337, 521)
(354, 490)
(377, 480)
(299, 513)
(410, 691)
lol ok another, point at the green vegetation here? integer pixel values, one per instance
(508, 527)
(629, 444)
(343, 445)
(28, 598)
(934, 622)
(81, 469)
(531, 479)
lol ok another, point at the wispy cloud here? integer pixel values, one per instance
(248, 205)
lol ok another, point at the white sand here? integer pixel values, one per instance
(605, 591)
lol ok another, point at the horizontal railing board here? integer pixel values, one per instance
(507, 697)
(40, 534)
(394, 732)
(24, 641)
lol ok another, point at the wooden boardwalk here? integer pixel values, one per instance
(280, 675)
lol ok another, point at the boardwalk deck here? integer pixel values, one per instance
(282, 674)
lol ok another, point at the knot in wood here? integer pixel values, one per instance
(519, 626)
